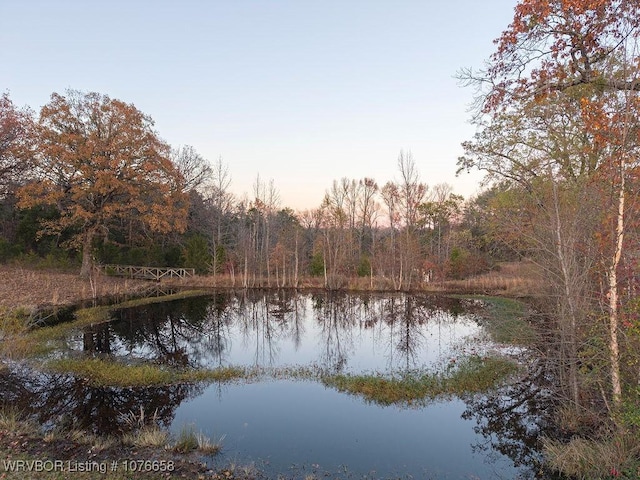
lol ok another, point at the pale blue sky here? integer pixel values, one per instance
(301, 92)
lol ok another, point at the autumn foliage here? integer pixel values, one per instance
(558, 119)
(99, 161)
(16, 144)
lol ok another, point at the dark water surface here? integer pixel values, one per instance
(296, 427)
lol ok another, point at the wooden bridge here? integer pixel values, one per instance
(149, 273)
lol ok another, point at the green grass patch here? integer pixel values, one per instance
(106, 372)
(505, 319)
(473, 374)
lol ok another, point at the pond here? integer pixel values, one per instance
(294, 425)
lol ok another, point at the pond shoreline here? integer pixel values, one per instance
(28, 288)
(68, 289)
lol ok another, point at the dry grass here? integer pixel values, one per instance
(510, 278)
(189, 440)
(514, 279)
(12, 419)
(31, 289)
(615, 456)
(147, 436)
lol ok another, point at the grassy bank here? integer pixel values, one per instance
(470, 375)
(28, 289)
(505, 319)
(614, 456)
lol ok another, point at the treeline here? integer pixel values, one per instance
(88, 180)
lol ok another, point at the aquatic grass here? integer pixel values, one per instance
(110, 372)
(505, 319)
(477, 374)
(189, 440)
(101, 372)
(472, 374)
(140, 419)
(206, 446)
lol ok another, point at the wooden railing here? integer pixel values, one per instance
(149, 273)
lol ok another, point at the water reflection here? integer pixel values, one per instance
(336, 332)
(513, 418)
(63, 400)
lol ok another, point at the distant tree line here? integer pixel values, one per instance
(89, 180)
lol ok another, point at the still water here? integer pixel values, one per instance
(296, 427)
(334, 332)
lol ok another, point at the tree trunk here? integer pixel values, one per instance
(614, 351)
(571, 339)
(87, 258)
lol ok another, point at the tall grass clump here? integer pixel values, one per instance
(145, 430)
(147, 436)
(13, 321)
(615, 456)
(189, 440)
(14, 421)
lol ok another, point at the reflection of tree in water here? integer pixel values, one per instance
(409, 336)
(219, 318)
(181, 333)
(405, 316)
(267, 318)
(337, 315)
(199, 332)
(54, 398)
(298, 316)
(513, 418)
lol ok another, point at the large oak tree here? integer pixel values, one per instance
(99, 160)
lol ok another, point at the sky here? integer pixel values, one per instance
(299, 92)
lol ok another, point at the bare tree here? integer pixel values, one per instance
(194, 168)
(221, 204)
